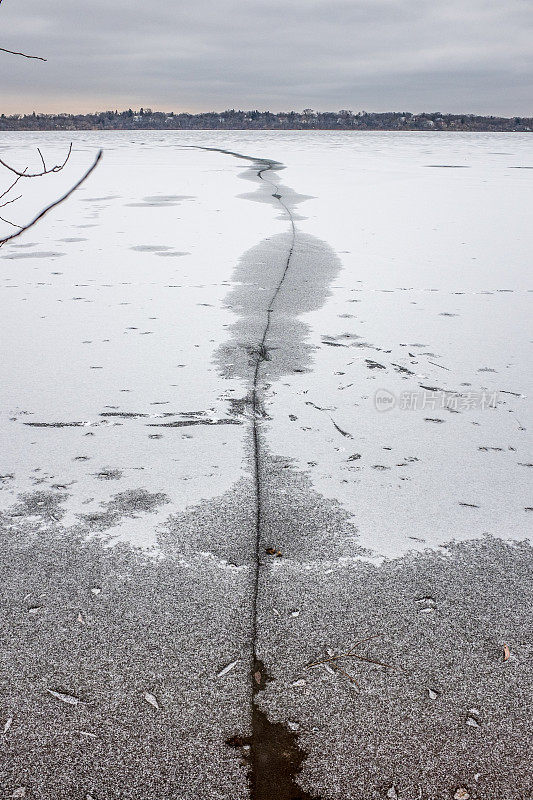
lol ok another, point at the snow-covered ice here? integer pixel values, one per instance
(168, 324)
(119, 306)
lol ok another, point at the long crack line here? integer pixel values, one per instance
(269, 166)
(271, 773)
(257, 667)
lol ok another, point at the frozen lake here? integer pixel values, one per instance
(117, 304)
(276, 386)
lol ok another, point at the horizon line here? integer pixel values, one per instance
(304, 112)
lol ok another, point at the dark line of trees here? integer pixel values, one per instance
(146, 119)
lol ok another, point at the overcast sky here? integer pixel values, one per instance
(376, 55)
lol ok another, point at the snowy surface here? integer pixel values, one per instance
(394, 431)
(118, 302)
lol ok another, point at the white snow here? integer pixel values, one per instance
(435, 279)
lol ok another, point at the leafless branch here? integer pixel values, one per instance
(8, 222)
(42, 159)
(26, 174)
(350, 677)
(14, 182)
(12, 185)
(344, 655)
(370, 661)
(16, 53)
(13, 200)
(24, 55)
(55, 203)
(45, 171)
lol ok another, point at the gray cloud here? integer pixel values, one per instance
(445, 55)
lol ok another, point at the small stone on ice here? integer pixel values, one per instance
(295, 613)
(432, 694)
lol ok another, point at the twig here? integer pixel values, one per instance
(55, 203)
(8, 222)
(346, 674)
(371, 661)
(26, 174)
(24, 55)
(344, 655)
(7, 202)
(15, 53)
(14, 182)
(42, 159)
(351, 654)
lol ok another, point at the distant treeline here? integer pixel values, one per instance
(146, 119)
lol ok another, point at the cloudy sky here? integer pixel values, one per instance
(413, 55)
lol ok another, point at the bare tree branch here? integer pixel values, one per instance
(7, 202)
(24, 55)
(16, 53)
(16, 179)
(42, 159)
(55, 203)
(8, 222)
(46, 171)
(26, 174)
